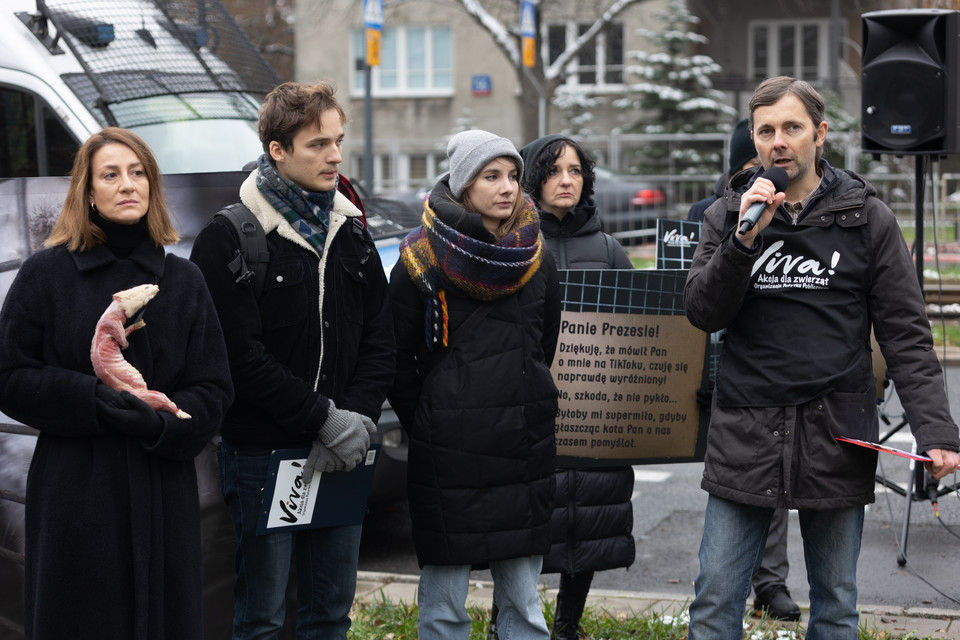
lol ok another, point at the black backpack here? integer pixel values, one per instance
(250, 264)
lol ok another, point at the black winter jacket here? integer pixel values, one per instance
(592, 520)
(287, 358)
(112, 522)
(480, 418)
(577, 242)
(798, 313)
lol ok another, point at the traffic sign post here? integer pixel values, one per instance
(373, 23)
(528, 33)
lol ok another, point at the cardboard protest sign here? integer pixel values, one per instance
(628, 366)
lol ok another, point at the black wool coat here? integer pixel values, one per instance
(480, 418)
(112, 522)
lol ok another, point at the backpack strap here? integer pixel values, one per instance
(250, 264)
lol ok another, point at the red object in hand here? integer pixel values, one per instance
(110, 337)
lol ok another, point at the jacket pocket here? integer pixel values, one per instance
(354, 278)
(827, 471)
(851, 415)
(284, 301)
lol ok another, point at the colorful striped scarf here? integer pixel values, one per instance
(439, 258)
(308, 212)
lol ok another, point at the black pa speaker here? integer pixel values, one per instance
(909, 91)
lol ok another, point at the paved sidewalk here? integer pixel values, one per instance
(894, 621)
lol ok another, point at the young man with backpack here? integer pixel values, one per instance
(311, 347)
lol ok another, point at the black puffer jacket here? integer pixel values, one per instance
(577, 242)
(480, 417)
(593, 518)
(796, 369)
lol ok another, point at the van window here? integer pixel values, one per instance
(28, 149)
(59, 143)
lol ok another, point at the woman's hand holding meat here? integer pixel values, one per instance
(123, 412)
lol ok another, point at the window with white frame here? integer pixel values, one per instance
(395, 171)
(597, 65)
(798, 49)
(414, 61)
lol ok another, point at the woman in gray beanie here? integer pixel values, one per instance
(476, 310)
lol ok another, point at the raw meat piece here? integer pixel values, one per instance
(110, 337)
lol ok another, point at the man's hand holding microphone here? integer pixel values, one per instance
(759, 203)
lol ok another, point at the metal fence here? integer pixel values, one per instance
(689, 165)
(896, 187)
(894, 178)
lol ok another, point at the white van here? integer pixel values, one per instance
(179, 73)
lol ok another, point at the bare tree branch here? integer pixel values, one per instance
(500, 34)
(555, 70)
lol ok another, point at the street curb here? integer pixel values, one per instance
(912, 612)
(948, 355)
(597, 597)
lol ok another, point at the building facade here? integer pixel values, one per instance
(441, 71)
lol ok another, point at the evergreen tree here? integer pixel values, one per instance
(670, 91)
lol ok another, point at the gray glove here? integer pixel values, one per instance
(345, 434)
(369, 425)
(321, 459)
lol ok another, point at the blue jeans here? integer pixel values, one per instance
(442, 596)
(325, 561)
(734, 535)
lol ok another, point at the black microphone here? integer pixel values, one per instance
(780, 180)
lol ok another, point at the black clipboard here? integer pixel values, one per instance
(333, 499)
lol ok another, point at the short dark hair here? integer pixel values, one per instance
(536, 172)
(292, 106)
(772, 89)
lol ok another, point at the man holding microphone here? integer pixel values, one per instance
(798, 290)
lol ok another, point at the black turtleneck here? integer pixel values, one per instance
(121, 238)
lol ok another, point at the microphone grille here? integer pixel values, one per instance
(778, 177)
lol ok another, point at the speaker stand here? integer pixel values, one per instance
(917, 478)
(914, 479)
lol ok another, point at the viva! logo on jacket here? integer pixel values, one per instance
(786, 271)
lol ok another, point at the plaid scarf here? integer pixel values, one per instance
(440, 258)
(308, 212)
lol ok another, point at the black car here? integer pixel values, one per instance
(629, 208)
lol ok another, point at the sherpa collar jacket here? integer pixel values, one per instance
(320, 329)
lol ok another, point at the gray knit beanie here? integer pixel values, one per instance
(470, 151)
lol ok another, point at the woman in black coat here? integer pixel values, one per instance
(112, 510)
(593, 516)
(476, 308)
